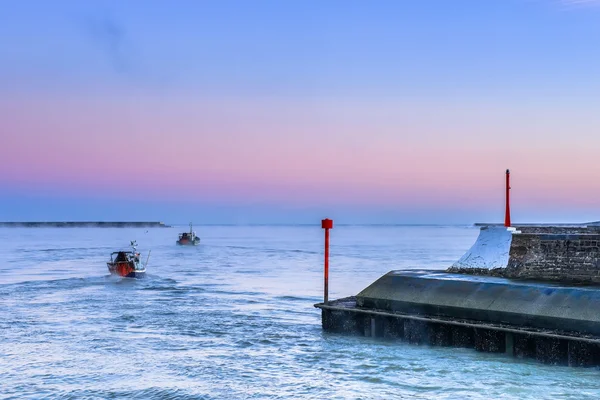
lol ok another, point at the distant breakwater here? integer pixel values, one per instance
(87, 224)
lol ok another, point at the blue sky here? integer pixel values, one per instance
(404, 104)
(303, 48)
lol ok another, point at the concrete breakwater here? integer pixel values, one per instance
(528, 291)
(85, 224)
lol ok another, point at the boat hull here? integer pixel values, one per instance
(187, 242)
(125, 270)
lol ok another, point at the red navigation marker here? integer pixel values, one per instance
(326, 224)
(507, 214)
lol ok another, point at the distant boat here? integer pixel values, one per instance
(188, 238)
(127, 264)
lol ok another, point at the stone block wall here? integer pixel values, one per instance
(565, 257)
(559, 229)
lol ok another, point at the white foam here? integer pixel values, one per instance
(490, 250)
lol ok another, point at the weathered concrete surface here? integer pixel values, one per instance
(488, 299)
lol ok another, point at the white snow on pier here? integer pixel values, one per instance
(490, 250)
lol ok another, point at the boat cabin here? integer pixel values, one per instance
(124, 256)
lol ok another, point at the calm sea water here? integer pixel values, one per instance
(233, 319)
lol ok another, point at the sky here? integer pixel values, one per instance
(264, 111)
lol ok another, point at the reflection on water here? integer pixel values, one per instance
(233, 318)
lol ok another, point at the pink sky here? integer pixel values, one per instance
(370, 152)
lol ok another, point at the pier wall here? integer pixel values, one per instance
(522, 344)
(555, 257)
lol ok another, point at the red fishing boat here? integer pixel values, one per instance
(127, 264)
(188, 238)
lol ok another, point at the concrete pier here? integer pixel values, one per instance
(552, 323)
(530, 291)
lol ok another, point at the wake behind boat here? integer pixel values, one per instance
(188, 238)
(127, 264)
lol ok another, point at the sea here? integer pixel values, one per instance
(234, 318)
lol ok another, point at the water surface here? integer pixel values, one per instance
(233, 319)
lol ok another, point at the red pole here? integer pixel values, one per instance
(326, 224)
(326, 287)
(507, 214)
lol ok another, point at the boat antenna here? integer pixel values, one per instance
(147, 259)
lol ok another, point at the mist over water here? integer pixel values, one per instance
(233, 318)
